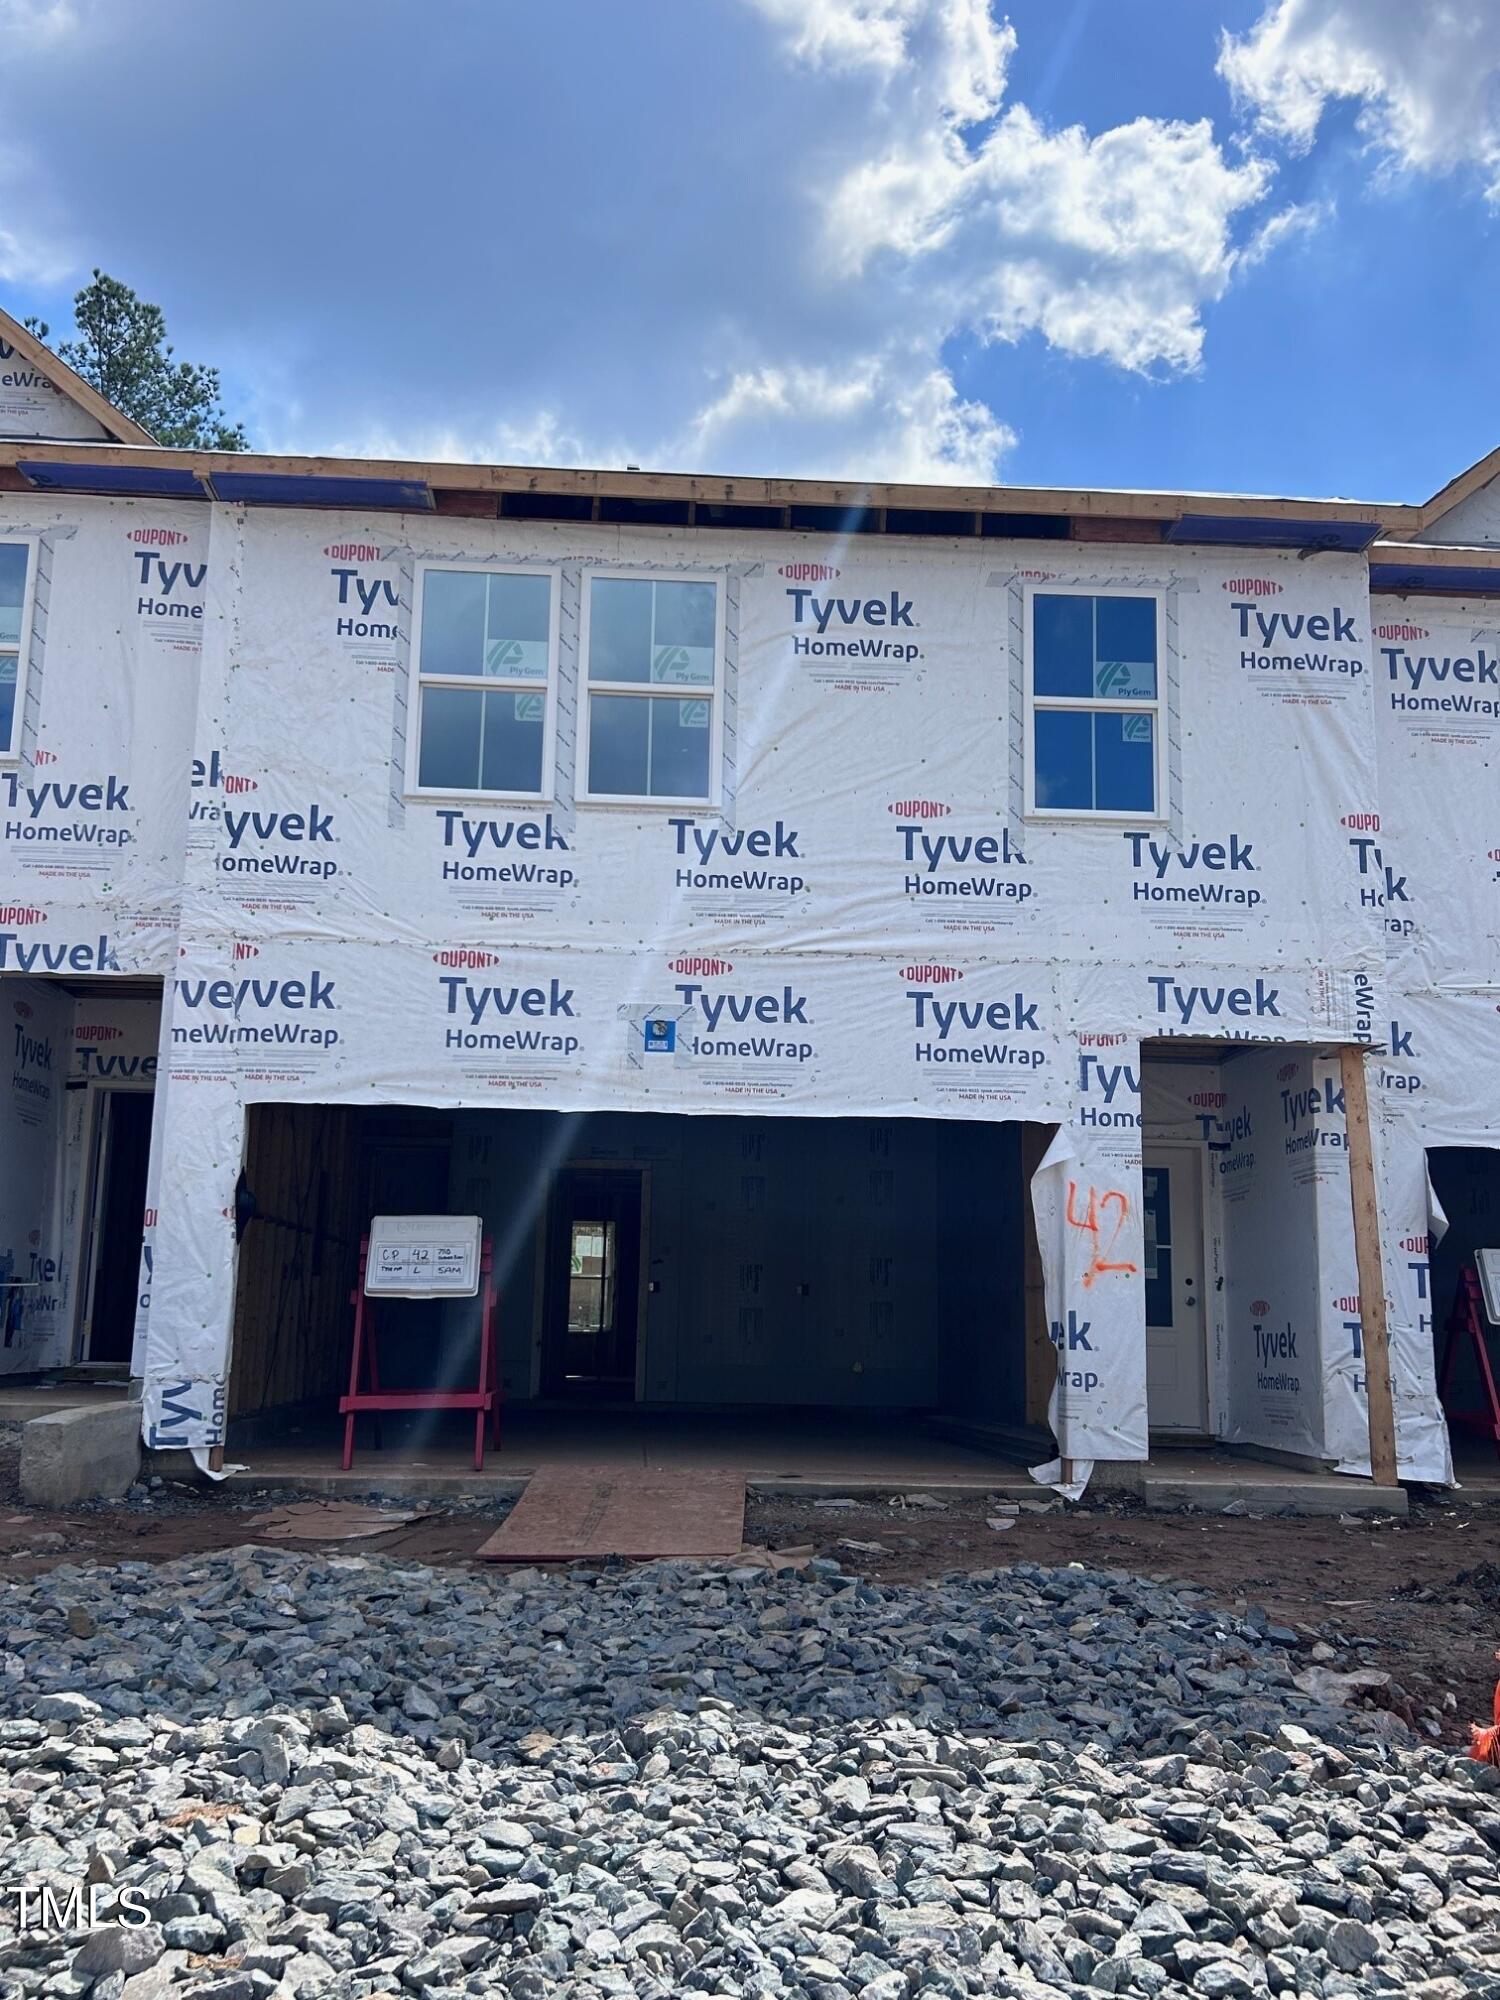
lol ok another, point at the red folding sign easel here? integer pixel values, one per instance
(1467, 1317)
(483, 1400)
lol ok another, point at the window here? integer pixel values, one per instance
(652, 655)
(486, 671)
(15, 632)
(591, 1278)
(1094, 704)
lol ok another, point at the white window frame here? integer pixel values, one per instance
(418, 681)
(11, 753)
(1097, 704)
(713, 693)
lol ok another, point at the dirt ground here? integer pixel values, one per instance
(1418, 1600)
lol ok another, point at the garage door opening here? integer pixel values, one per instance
(666, 1283)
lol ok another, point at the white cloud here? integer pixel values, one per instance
(943, 212)
(885, 416)
(1302, 218)
(951, 52)
(27, 261)
(542, 438)
(894, 416)
(37, 23)
(1107, 245)
(1424, 73)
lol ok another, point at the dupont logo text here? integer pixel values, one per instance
(700, 968)
(467, 956)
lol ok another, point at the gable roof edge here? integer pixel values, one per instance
(1459, 489)
(67, 382)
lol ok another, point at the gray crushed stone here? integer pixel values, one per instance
(312, 1774)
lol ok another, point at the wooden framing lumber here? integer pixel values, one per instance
(1366, 1203)
(716, 490)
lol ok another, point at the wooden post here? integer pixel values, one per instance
(1366, 1203)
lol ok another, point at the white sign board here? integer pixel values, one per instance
(1489, 1282)
(423, 1257)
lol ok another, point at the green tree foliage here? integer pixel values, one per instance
(122, 350)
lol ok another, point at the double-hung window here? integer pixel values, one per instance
(653, 653)
(1094, 706)
(485, 681)
(17, 582)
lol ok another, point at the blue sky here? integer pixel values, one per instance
(1225, 244)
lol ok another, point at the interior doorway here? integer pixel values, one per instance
(592, 1314)
(1176, 1328)
(1466, 1181)
(118, 1224)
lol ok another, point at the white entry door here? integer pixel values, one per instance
(1176, 1347)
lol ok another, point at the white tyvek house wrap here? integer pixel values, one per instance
(1086, 1197)
(871, 879)
(1437, 711)
(869, 806)
(32, 406)
(93, 812)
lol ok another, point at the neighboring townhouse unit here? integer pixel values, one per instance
(857, 947)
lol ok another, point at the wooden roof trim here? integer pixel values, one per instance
(1478, 475)
(71, 385)
(1436, 555)
(721, 490)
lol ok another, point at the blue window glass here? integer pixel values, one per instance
(1088, 653)
(1062, 637)
(1124, 763)
(8, 677)
(1064, 751)
(481, 740)
(646, 631)
(1089, 647)
(1093, 760)
(651, 747)
(452, 621)
(13, 558)
(495, 626)
(1125, 647)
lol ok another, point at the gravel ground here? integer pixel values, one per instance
(357, 1773)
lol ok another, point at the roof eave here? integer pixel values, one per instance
(714, 489)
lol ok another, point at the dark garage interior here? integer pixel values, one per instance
(656, 1263)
